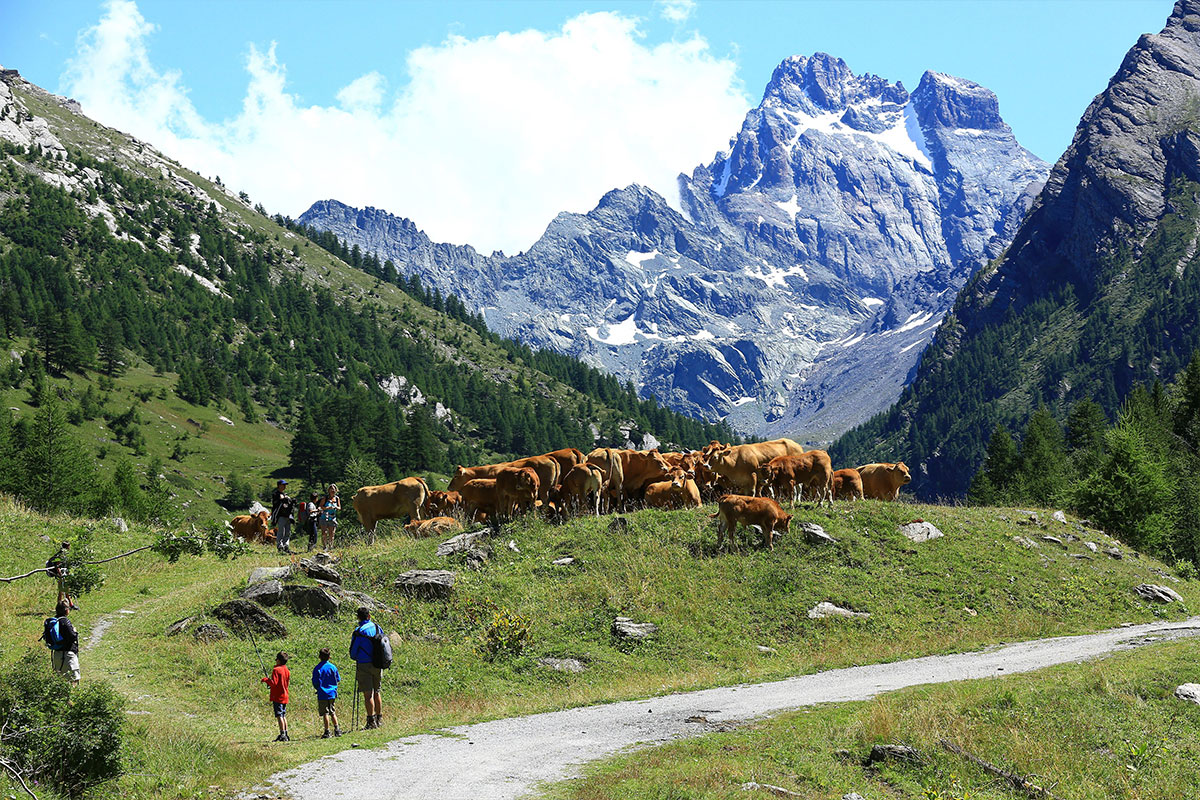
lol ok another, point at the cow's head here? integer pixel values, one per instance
(901, 470)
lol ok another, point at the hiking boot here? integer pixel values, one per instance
(279, 738)
(285, 738)
(379, 720)
(326, 735)
(337, 732)
(370, 726)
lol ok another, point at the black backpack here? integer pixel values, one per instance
(381, 649)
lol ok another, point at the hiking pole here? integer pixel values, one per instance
(250, 631)
(354, 717)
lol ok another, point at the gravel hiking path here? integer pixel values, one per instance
(509, 758)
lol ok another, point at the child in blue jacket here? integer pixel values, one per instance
(325, 679)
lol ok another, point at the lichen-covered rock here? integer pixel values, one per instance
(311, 601)
(267, 593)
(260, 574)
(920, 531)
(1157, 594)
(625, 628)
(244, 617)
(209, 632)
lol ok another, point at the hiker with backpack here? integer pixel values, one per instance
(281, 516)
(372, 653)
(63, 640)
(309, 516)
(56, 567)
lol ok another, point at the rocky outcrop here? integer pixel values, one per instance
(806, 273)
(311, 601)
(426, 584)
(244, 617)
(266, 593)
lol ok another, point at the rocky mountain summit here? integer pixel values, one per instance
(795, 285)
(1097, 292)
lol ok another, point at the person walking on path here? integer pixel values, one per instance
(330, 507)
(56, 567)
(368, 676)
(281, 515)
(310, 515)
(278, 680)
(325, 679)
(63, 640)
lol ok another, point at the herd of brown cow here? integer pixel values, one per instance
(747, 481)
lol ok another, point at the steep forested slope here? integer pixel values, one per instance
(123, 272)
(1098, 292)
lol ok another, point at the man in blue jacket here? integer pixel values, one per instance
(368, 676)
(325, 679)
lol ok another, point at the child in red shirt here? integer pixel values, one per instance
(278, 680)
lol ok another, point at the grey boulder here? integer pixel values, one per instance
(319, 571)
(245, 617)
(176, 628)
(625, 628)
(827, 610)
(920, 531)
(572, 665)
(260, 574)
(209, 632)
(311, 601)
(426, 584)
(1189, 692)
(815, 534)
(1157, 594)
(267, 593)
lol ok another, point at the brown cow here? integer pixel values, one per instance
(517, 490)
(792, 475)
(753, 512)
(679, 491)
(739, 464)
(479, 498)
(582, 481)
(640, 468)
(443, 504)
(251, 527)
(847, 485)
(883, 481)
(566, 458)
(435, 526)
(609, 462)
(390, 501)
(546, 467)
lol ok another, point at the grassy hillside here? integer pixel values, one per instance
(972, 587)
(115, 259)
(1105, 730)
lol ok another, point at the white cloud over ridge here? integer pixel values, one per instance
(488, 140)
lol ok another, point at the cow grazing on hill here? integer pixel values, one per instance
(547, 469)
(480, 499)
(609, 462)
(443, 504)
(566, 458)
(753, 512)
(883, 481)
(517, 490)
(582, 487)
(847, 485)
(791, 476)
(403, 498)
(639, 468)
(739, 464)
(678, 491)
(251, 527)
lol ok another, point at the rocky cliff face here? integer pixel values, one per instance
(807, 270)
(1098, 290)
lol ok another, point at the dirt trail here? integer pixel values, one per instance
(509, 758)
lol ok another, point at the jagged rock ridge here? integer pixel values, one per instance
(807, 270)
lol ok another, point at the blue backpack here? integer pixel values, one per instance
(52, 634)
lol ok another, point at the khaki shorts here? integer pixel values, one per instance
(325, 707)
(65, 663)
(369, 677)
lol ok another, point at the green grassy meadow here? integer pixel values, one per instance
(1108, 729)
(199, 722)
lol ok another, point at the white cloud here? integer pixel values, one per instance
(677, 11)
(484, 144)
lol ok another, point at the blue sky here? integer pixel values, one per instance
(1045, 61)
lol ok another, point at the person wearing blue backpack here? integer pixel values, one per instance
(63, 640)
(367, 675)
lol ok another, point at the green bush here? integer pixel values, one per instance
(505, 634)
(67, 738)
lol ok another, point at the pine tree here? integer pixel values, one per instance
(1043, 459)
(310, 450)
(58, 473)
